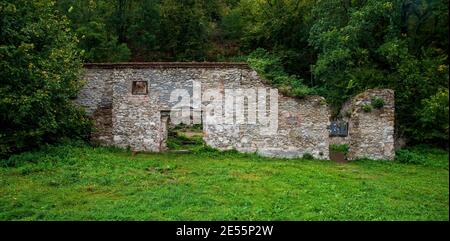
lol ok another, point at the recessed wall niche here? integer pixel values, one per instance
(139, 88)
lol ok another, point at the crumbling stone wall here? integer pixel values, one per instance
(96, 97)
(301, 130)
(371, 131)
(139, 121)
(135, 121)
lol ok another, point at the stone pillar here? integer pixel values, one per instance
(371, 126)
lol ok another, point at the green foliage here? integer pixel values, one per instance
(47, 155)
(270, 67)
(423, 155)
(377, 102)
(178, 139)
(96, 24)
(100, 46)
(184, 30)
(334, 48)
(144, 21)
(161, 169)
(308, 156)
(398, 44)
(206, 150)
(367, 107)
(79, 182)
(282, 27)
(406, 156)
(339, 148)
(39, 69)
(434, 117)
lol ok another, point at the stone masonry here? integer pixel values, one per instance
(371, 132)
(129, 103)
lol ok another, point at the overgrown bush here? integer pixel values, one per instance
(388, 44)
(424, 155)
(434, 118)
(409, 157)
(270, 67)
(39, 73)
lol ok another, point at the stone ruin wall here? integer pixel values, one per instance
(370, 134)
(301, 129)
(96, 98)
(138, 121)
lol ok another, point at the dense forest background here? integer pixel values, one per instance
(335, 48)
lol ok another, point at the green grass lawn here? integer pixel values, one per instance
(87, 183)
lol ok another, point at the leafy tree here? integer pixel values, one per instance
(143, 31)
(271, 68)
(434, 117)
(99, 27)
(39, 69)
(383, 43)
(335, 48)
(184, 30)
(281, 27)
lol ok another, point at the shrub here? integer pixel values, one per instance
(270, 67)
(409, 157)
(39, 68)
(424, 155)
(377, 102)
(434, 118)
(367, 108)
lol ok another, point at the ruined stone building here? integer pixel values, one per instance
(131, 103)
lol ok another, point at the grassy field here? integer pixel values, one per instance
(85, 183)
